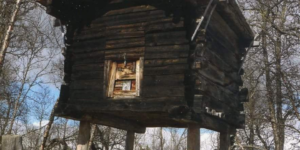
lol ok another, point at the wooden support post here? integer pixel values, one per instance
(129, 140)
(84, 136)
(224, 141)
(193, 141)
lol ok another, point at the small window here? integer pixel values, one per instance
(124, 79)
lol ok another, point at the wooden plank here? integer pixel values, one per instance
(112, 76)
(167, 48)
(166, 80)
(166, 38)
(163, 91)
(217, 92)
(164, 62)
(223, 33)
(129, 140)
(88, 75)
(193, 137)
(86, 94)
(166, 70)
(84, 136)
(125, 43)
(133, 17)
(87, 67)
(88, 46)
(131, 53)
(236, 20)
(110, 120)
(224, 53)
(139, 76)
(166, 55)
(123, 35)
(224, 141)
(107, 65)
(163, 25)
(133, 9)
(90, 34)
(87, 85)
(161, 104)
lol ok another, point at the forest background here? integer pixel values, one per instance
(31, 70)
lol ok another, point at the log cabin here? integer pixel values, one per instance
(133, 64)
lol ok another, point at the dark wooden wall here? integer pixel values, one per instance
(139, 31)
(218, 53)
(183, 81)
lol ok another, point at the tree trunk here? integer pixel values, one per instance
(46, 134)
(161, 139)
(6, 39)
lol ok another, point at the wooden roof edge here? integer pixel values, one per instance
(234, 17)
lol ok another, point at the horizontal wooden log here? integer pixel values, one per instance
(102, 119)
(223, 33)
(87, 85)
(96, 95)
(126, 105)
(88, 75)
(133, 17)
(217, 92)
(167, 48)
(213, 74)
(164, 62)
(159, 91)
(236, 20)
(165, 55)
(163, 25)
(217, 61)
(166, 70)
(124, 35)
(133, 9)
(91, 55)
(209, 122)
(88, 46)
(127, 27)
(226, 55)
(94, 32)
(131, 53)
(218, 76)
(167, 80)
(125, 43)
(89, 61)
(203, 104)
(88, 67)
(166, 38)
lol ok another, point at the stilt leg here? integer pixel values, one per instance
(224, 141)
(193, 141)
(84, 136)
(129, 140)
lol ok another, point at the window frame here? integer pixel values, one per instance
(110, 79)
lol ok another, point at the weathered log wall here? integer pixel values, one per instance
(182, 80)
(217, 59)
(141, 31)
